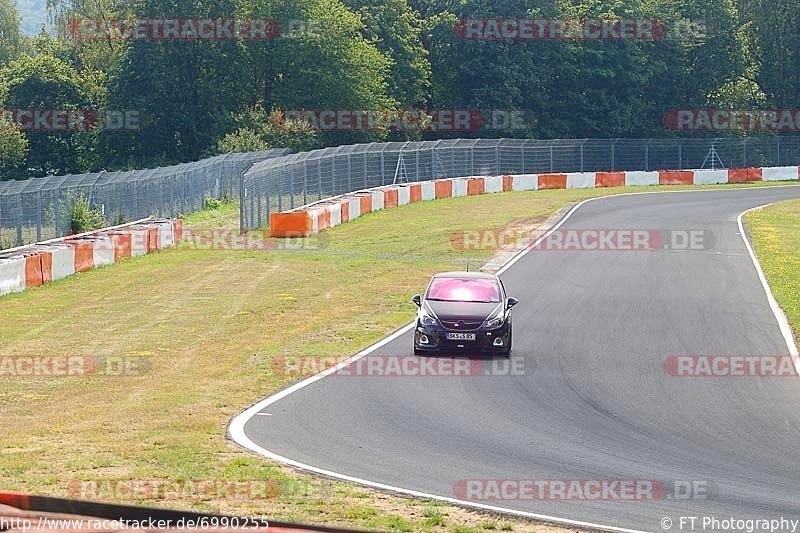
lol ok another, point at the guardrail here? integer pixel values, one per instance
(287, 182)
(36, 209)
(318, 216)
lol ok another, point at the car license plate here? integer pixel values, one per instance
(461, 336)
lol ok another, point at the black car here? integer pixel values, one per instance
(464, 311)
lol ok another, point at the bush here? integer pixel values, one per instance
(83, 218)
(214, 203)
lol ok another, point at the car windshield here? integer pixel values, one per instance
(464, 290)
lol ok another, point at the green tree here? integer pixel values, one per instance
(188, 89)
(774, 29)
(44, 82)
(10, 38)
(396, 29)
(13, 147)
(325, 64)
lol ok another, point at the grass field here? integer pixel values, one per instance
(209, 324)
(775, 234)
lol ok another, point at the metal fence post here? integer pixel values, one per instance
(39, 218)
(305, 182)
(19, 219)
(744, 152)
(613, 155)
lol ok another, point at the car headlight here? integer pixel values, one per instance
(427, 320)
(495, 320)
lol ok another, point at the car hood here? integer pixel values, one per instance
(466, 311)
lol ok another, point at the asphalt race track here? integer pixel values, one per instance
(593, 402)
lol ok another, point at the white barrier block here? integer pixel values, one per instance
(710, 177)
(314, 214)
(525, 182)
(641, 178)
(428, 190)
(492, 184)
(403, 195)
(355, 208)
(103, 251)
(166, 236)
(138, 241)
(459, 187)
(336, 214)
(63, 260)
(580, 180)
(12, 274)
(779, 173)
(377, 200)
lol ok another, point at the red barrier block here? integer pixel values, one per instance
(444, 189)
(676, 177)
(744, 175)
(291, 224)
(552, 181)
(366, 203)
(177, 229)
(609, 179)
(38, 268)
(475, 186)
(84, 255)
(390, 198)
(416, 193)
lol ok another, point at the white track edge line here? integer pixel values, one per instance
(238, 435)
(238, 423)
(780, 316)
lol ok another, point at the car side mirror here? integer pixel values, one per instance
(417, 299)
(511, 302)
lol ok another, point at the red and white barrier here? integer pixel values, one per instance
(37, 264)
(62, 260)
(306, 220)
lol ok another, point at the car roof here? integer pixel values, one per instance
(478, 275)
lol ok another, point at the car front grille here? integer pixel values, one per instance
(462, 326)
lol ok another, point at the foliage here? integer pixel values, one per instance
(82, 217)
(10, 39)
(13, 147)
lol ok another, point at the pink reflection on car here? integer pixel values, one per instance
(464, 290)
